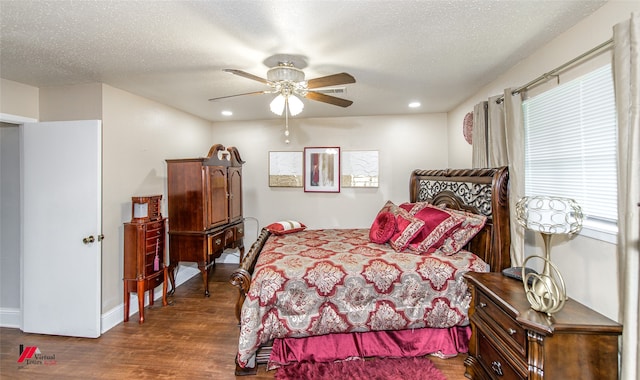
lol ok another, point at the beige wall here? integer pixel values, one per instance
(138, 135)
(588, 265)
(19, 99)
(80, 102)
(404, 143)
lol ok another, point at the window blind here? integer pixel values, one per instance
(570, 144)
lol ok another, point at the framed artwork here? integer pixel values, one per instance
(322, 169)
(359, 168)
(285, 169)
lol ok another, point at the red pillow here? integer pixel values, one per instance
(383, 227)
(439, 224)
(407, 227)
(285, 227)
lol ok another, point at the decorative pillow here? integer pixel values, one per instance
(438, 225)
(470, 226)
(285, 227)
(389, 207)
(407, 227)
(383, 227)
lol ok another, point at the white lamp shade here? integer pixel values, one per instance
(277, 105)
(295, 105)
(549, 215)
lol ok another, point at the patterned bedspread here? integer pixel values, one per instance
(318, 282)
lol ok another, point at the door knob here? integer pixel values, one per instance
(88, 240)
(100, 237)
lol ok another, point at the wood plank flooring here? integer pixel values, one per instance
(192, 338)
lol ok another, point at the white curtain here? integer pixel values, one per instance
(514, 127)
(626, 72)
(479, 136)
(500, 128)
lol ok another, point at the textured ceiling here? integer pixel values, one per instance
(438, 52)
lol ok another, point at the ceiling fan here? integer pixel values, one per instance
(286, 79)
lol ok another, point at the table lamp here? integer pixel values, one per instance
(546, 291)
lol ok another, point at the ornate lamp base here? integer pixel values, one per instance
(546, 291)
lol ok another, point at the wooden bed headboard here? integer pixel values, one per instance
(480, 191)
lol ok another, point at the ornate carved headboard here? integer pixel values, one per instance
(480, 191)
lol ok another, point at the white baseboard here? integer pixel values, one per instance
(229, 257)
(10, 317)
(115, 316)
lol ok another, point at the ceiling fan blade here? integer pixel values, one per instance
(246, 75)
(246, 93)
(313, 95)
(331, 80)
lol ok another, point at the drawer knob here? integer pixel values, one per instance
(482, 305)
(497, 368)
(511, 331)
(218, 241)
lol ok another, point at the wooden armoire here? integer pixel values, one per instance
(204, 198)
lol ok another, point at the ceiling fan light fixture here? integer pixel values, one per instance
(295, 105)
(292, 103)
(285, 72)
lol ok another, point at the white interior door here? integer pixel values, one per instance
(62, 225)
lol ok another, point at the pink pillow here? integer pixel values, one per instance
(285, 227)
(438, 225)
(383, 227)
(470, 226)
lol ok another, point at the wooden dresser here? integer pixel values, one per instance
(204, 209)
(512, 341)
(144, 253)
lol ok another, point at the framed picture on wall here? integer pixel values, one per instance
(322, 169)
(359, 168)
(285, 169)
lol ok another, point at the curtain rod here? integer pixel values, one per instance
(551, 73)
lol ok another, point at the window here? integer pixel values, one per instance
(570, 148)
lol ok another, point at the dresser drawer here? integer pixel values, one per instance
(502, 323)
(229, 236)
(216, 243)
(493, 361)
(153, 235)
(153, 244)
(155, 280)
(155, 225)
(239, 231)
(149, 261)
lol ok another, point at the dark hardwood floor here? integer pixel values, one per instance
(192, 338)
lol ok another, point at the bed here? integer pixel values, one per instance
(334, 294)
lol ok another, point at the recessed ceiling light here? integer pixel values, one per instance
(414, 104)
(226, 113)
